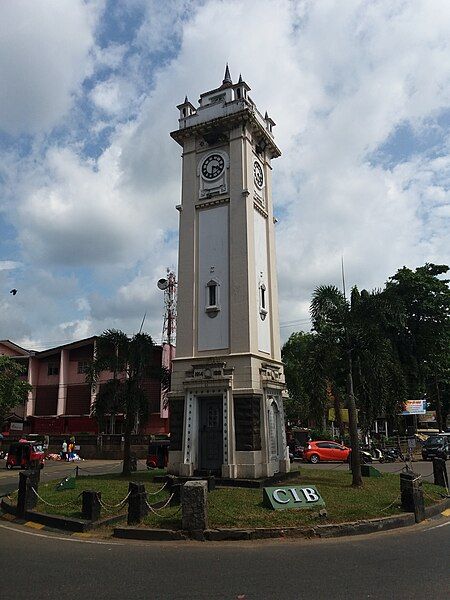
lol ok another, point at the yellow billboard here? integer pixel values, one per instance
(344, 415)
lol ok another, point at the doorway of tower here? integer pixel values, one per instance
(274, 446)
(211, 434)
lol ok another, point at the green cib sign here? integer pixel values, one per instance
(298, 496)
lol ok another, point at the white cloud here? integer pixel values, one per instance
(9, 265)
(337, 77)
(111, 56)
(116, 96)
(44, 56)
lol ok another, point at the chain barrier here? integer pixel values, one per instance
(70, 503)
(391, 504)
(113, 507)
(441, 494)
(158, 491)
(11, 494)
(150, 507)
(95, 469)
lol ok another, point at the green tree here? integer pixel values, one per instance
(13, 389)
(131, 362)
(355, 338)
(379, 382)
(307, 394)
(334, 322)
(311, 368)
(424, 342)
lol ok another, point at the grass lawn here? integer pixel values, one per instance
(113, 487)
(241, 507)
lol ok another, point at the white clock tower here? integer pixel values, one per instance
(226, 404)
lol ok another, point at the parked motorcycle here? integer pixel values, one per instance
(296, 453)
(390, 455)
(366, 456)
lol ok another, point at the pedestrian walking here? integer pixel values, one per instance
(64, 450)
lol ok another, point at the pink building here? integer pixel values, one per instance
(61, 401)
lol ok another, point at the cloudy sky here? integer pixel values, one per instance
(89, 177)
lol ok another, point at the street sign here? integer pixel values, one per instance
(16, 426)
(414, 407)
(281, 498)
(68, 483)
(411, 443)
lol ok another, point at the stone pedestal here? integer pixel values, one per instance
(27, 499)
(137, 505)
(440, 472)
(90, 505)
(412, 494)
(194, 505)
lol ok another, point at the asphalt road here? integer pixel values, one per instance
(402, 564)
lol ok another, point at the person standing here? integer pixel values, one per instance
(64, 450)
(71, 448)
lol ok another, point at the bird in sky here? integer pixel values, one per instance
(13, 292)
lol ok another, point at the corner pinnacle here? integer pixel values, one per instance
(227, 77)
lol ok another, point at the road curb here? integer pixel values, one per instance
(324, 531)
(154, 535)
(62, 523)
(318, 531)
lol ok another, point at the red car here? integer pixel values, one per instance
(325, 451)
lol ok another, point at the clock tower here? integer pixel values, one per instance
(226, 406)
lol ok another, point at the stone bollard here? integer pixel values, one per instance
(194, 506)
(440, 472)
(27, 499)
(412, 494)
(137, 506)
(90, 505)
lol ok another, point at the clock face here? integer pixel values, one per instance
(258, 174)
(213, 166)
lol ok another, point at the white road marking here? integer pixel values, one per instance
(56, 537)
(437, 526)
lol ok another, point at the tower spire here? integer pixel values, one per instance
(227, 77)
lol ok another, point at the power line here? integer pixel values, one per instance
(294, 323)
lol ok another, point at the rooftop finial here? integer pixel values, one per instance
(227, 78)
(186, 99)
(240, 78)
(266, 116)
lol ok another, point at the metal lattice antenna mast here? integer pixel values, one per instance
(169, 286)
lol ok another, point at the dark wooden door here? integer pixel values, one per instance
(211, 434)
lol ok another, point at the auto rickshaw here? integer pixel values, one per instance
(158, 454)
(26, 455)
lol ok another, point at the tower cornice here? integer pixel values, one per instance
(237, 112)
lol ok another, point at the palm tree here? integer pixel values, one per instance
(333, 320)
(131, 362)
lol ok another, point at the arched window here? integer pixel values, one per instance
(212, 298)
(262, 301)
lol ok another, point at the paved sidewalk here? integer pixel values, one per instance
(424, 468)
